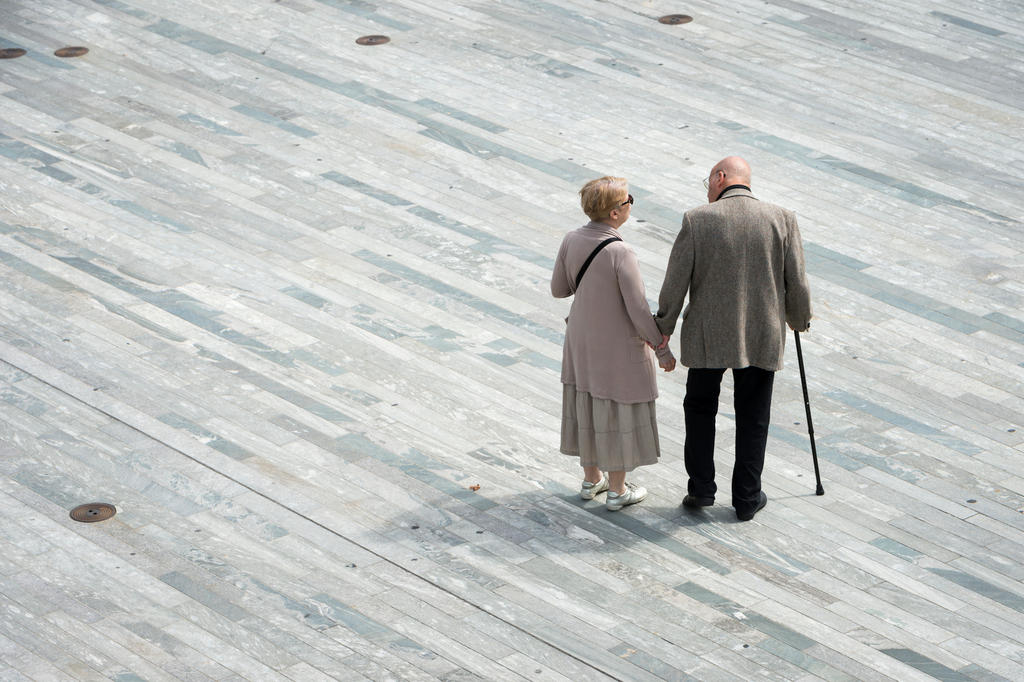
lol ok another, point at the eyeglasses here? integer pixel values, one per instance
(707, 182)
(629, 200)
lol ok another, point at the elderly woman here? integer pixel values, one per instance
(608, 375)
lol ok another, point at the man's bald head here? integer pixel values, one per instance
(732, 170)
(737, 171)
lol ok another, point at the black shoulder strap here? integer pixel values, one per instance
(586, 264)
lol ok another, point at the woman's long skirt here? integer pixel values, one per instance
(607, 434)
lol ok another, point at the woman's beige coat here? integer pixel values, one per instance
(742, 263)
(610, 323)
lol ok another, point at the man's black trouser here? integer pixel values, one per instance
(752, 399)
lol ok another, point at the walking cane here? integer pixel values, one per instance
(807, 406)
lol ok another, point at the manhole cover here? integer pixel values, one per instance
(71, 51)
(11, 52)
(373, 40)
(93, 512)
(676, 19)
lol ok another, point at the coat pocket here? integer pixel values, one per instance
(639, 351)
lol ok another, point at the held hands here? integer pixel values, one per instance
(667, 363)
(664, 342)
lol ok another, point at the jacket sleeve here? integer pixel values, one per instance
(677, 280)
(561, 287)
(664, 354)
(798, 292)
(631, 286)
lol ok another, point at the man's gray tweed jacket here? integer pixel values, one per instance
(742, 263)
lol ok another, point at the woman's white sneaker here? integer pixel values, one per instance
(631, 495)
(588, 489)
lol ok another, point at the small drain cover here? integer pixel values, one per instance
(676, 19)
(71, 51)
(11, 52)
(93, 512)
(373, 40)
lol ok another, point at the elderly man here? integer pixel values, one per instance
(742, 263)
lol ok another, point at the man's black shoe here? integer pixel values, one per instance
(694, 502)
(761, 502)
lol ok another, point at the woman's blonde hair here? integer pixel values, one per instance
(599, 197)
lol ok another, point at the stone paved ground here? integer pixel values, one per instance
(282, 299)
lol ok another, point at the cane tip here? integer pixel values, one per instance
(819, 491)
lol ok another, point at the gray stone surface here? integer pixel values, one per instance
(282, 299)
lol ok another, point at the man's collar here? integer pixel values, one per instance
(732, 187)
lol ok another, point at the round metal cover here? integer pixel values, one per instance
(676, 19)
(11, 52)
(373, 40)
(93, 512)
(71, 51)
